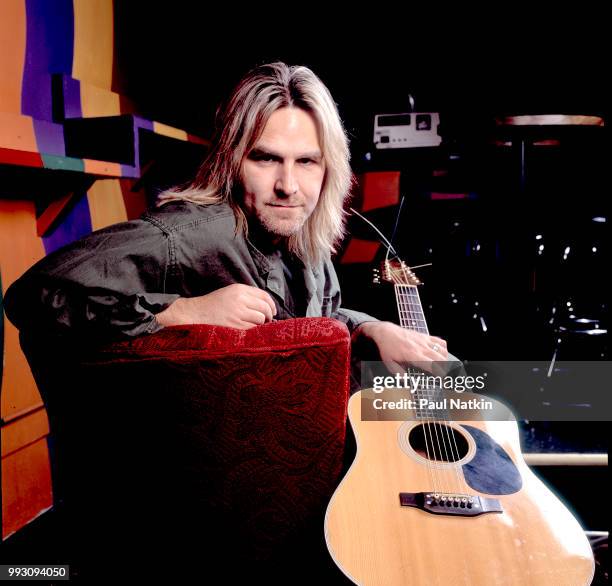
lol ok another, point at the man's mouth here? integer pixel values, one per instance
(284, 205)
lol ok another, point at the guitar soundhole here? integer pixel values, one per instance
(438, 441)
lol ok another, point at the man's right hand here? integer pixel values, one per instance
(235, 306)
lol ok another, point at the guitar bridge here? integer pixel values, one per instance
(465, 505)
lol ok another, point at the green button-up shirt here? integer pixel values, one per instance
(111, 283)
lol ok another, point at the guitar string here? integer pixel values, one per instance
(413, 324)
(410, 293)
(422, 414)
(452, 441)
(411, 299)
(430, 466)
(467, 573)
(460, 480)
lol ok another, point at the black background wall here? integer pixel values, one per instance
(490, 291)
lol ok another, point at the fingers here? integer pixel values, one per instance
(436, 348)
(260, 306)
(426, 351)
(251, 306)
(266, 297)
(251, 316)
(437, 341)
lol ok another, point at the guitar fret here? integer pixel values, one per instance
(409, 308)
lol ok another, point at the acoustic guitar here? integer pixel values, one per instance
(429, 501)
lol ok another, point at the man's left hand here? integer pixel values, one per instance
(399, 347)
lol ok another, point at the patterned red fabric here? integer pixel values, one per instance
(293, 334)
(236, 433)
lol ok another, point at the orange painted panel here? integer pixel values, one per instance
(106, 204)
(20, 248)
(24, 431)
(17, 132)
(12, 54)
(26, 486)
(26, 474)
(102, 168)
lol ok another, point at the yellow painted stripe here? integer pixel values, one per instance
(170, 131)
(96, 101)
(93, 42)
(12, 54)
(106, 204)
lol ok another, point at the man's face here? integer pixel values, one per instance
(283, 174)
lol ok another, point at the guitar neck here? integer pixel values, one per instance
(411, 317)
(409, 308)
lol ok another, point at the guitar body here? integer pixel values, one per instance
(533, 540)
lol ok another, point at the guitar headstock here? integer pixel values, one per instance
(395, 271)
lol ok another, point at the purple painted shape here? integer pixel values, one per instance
(49, 49)
(49, 137)
(138, 124)
(143, 123)
(72, 97)
(129, 171)
(36, 95)
(74, 225)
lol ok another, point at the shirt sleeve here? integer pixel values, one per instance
(108, 285)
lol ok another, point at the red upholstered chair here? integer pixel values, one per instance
(197, 443)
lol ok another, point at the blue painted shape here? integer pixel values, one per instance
(74, 225)
(49, 49)
(491, 470)
(72, 97)
(36, 95)
(49, 137)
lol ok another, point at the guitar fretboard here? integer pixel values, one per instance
(409, 308)
(411, 317)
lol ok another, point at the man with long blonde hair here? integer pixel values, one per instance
(248, 241)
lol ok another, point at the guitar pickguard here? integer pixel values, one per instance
(491, 470)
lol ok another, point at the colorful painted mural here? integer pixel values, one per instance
(70, 163)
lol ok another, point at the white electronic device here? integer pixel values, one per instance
(408, 130)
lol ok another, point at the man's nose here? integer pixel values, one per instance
(287, 181)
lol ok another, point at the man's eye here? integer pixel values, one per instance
(306, 161)
(261, 158)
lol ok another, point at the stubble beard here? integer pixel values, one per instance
(283, 228)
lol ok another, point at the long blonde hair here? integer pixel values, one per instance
(240, 123)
